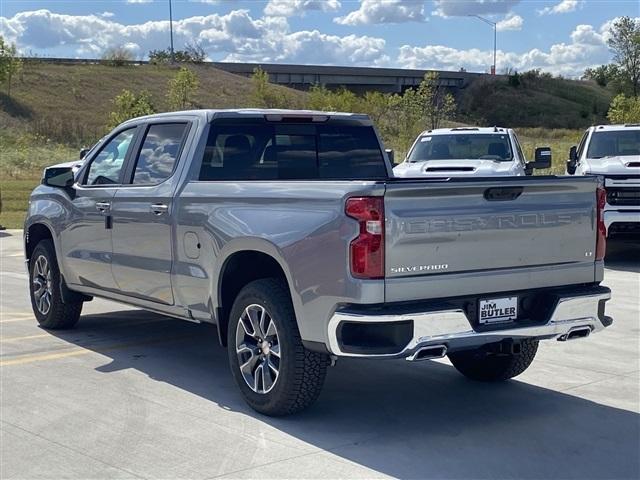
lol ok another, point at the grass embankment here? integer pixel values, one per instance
(537, 100)
(70, 104)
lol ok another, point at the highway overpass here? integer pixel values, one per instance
(302, 77)
(357, 79)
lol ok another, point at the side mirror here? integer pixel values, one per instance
(58, 177)
(573, 160)
(542, 158)
(83, 152)
(390, 155)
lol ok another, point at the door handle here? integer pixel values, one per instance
(159, 208)
(103, 207)
(501, 194)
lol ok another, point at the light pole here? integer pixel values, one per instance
(495, 37)
(171, 31)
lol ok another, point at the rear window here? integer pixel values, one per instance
(291, 152)
(462, 147)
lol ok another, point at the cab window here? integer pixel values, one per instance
(583, 141)
(159, 153)
(106, 167)
(523, 159)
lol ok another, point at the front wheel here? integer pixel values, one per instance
(275, 373)
(478, 364)
(45, 290)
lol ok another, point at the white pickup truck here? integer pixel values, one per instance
(613, 152)
(469, 151)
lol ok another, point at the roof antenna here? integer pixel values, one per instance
(495, 128)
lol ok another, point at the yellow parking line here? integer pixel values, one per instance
(85, 351)
(27, 337)
(20, 319)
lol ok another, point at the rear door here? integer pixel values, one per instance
(452, 238)
(142, 214)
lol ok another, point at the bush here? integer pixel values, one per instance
(266, 95)
(182, 88)
(117, 56)
(129, 105)
(192, 53)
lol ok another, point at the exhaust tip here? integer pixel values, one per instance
(428, 353)
(576, 333)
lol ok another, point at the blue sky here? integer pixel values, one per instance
(559, 36)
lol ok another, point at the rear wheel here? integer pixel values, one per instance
(478, 364)
(275, 373)
(45, 290)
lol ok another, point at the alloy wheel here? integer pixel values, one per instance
(258, 349)
(42, 285)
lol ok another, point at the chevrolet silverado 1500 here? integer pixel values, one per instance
(288, 231)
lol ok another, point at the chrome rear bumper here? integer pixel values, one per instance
(450, 327)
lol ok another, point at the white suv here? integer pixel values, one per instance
(613, 151)
(469, 151)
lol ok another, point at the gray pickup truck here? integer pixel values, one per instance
(288, 230)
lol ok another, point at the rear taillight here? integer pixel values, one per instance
(366, 252)
(601, 237)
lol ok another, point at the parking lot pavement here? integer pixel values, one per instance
(133, 394)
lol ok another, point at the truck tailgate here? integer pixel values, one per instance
(460, 237)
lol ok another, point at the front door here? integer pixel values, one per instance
(86, 239)
(142, 215)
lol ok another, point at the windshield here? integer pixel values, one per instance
(617, 143)
(491, 146)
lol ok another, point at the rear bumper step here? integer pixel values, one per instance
(422, 335)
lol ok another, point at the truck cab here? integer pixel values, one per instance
(612, 152)
(469, 151)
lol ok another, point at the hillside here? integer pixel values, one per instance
(534, 100)
(71, 103)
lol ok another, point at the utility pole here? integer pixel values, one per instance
(495, 38)
(171, 31)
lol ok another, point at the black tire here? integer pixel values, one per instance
(494, 367)
(58, 315)
(300, 372)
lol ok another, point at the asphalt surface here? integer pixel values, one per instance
(134, 394)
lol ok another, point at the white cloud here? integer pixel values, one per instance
(587, 48)
(235, 36)
(384, 11)
(510, 22)
(455, 8)
(107, 14)
(289, 8)
(139, 1)
(565, 6)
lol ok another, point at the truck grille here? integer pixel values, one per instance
(623, 196)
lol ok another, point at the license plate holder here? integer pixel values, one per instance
(497, 310)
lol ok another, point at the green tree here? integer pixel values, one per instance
(10, 63)
(437, 104)
(182, 89)
(266, 95)
(624, 42)
(130, 105)
(624, 109)
(603, 75)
